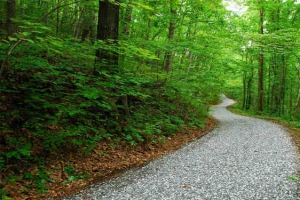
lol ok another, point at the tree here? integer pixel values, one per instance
(127, 18)
(11, 13)
(277, 49)
(261, 60)
(108, 31)
(168, 55)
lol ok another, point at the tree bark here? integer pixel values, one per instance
(127, 20)
(2, 30)
(108, 31)
(261, 66)
(283, 85)
(57, 18)
(76, 20)
(11, 13)
(249, 86)
(168, 56)
(297, 109)
(244, 90)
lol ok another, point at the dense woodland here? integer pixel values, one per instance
(77, 72)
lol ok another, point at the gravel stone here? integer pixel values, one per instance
(243, 158)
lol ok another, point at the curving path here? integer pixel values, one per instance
(244, 158)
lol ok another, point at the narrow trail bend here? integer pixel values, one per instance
(243, 158)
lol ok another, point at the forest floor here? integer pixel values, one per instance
(107, 161)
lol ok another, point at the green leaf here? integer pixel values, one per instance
(31, 41)
(13, 154)
(12, 39)
(26, 33)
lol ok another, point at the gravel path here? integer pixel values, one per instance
(244, 158)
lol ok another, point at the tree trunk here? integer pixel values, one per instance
(108, 31)
(249, 86)
(127, 20)
(244, 90)
(168, 56)
(297, 109)
(269, 99)
(57, 18)
(291, 99)
(126, 32)
(87, 24)
(2, 30)
(283, 85)
(11, 13)
(76, 20)
(189, 63)
(149, 26)
(21, 4)
(261, 66)
(63, 26)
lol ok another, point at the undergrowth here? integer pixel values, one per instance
(52, 104)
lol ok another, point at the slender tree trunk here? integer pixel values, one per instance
(127, 20)
(275, 85)
(244, 90)
(244, 82)
(126, 31)
(249, 86)
(2, 30)
(21, 3)
(148, 28)
(291, 99)
(283, 85)
(87, 27)
(269, 99)
(186, 51)
(76, 13)
(57, 18)
(168, 56)
(189, 63)
(64, 26)
(11, 13)
(261, 66)
(297, 109)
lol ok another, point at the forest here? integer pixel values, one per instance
(79, 74)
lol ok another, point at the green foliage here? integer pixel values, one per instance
(40, 180)
(3, 195)
(72, 175)
(55, 98)
(21, 148)
(2, 162)
(294, 178)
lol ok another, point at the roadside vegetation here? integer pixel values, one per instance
(82, 99)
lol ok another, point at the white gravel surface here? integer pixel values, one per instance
(243, 158)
